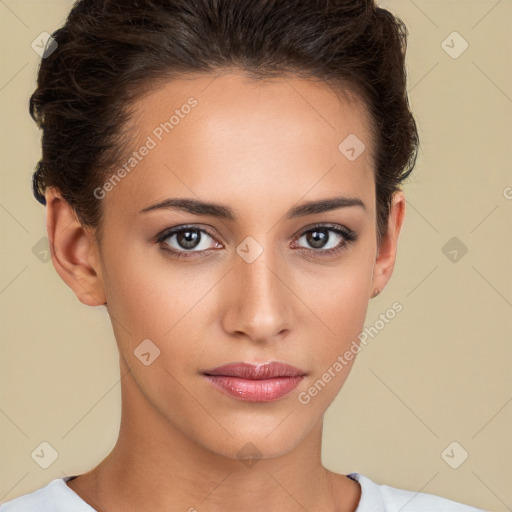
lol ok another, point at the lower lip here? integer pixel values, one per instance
(264, 390)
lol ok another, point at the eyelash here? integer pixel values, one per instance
(348, 235)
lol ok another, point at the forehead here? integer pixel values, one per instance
(229, 135)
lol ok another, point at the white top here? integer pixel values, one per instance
(58, 497)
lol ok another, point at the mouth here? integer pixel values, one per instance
(255, 383)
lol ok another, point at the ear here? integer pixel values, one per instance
(74, 250)
(386, 256)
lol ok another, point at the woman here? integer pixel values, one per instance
(224, 176)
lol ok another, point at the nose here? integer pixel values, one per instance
(259, 300)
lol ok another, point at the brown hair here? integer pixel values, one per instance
(109, 52)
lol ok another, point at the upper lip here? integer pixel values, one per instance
(255, 371)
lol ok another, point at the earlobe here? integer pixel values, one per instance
(74, 250)
(386, 257)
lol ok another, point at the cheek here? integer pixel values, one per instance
(340, 294)
(342, 309)
(340, 304)
(150, 297)
(140, 302)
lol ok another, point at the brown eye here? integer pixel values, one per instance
(326, 240)
(187, 239)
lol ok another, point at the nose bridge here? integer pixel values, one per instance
(261, 302)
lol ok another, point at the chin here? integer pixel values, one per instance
(250, 444)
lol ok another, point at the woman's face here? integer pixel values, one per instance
(270, 281)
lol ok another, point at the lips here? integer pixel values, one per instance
(255, 383)
(256, 372)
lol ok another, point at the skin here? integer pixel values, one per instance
(259, 148)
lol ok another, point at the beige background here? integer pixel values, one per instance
(439, 372)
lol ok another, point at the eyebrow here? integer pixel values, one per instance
(197, 207)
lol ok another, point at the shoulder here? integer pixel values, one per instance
(384, 498)
(54, 497)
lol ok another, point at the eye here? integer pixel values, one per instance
(187, 239)
(326, 239)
